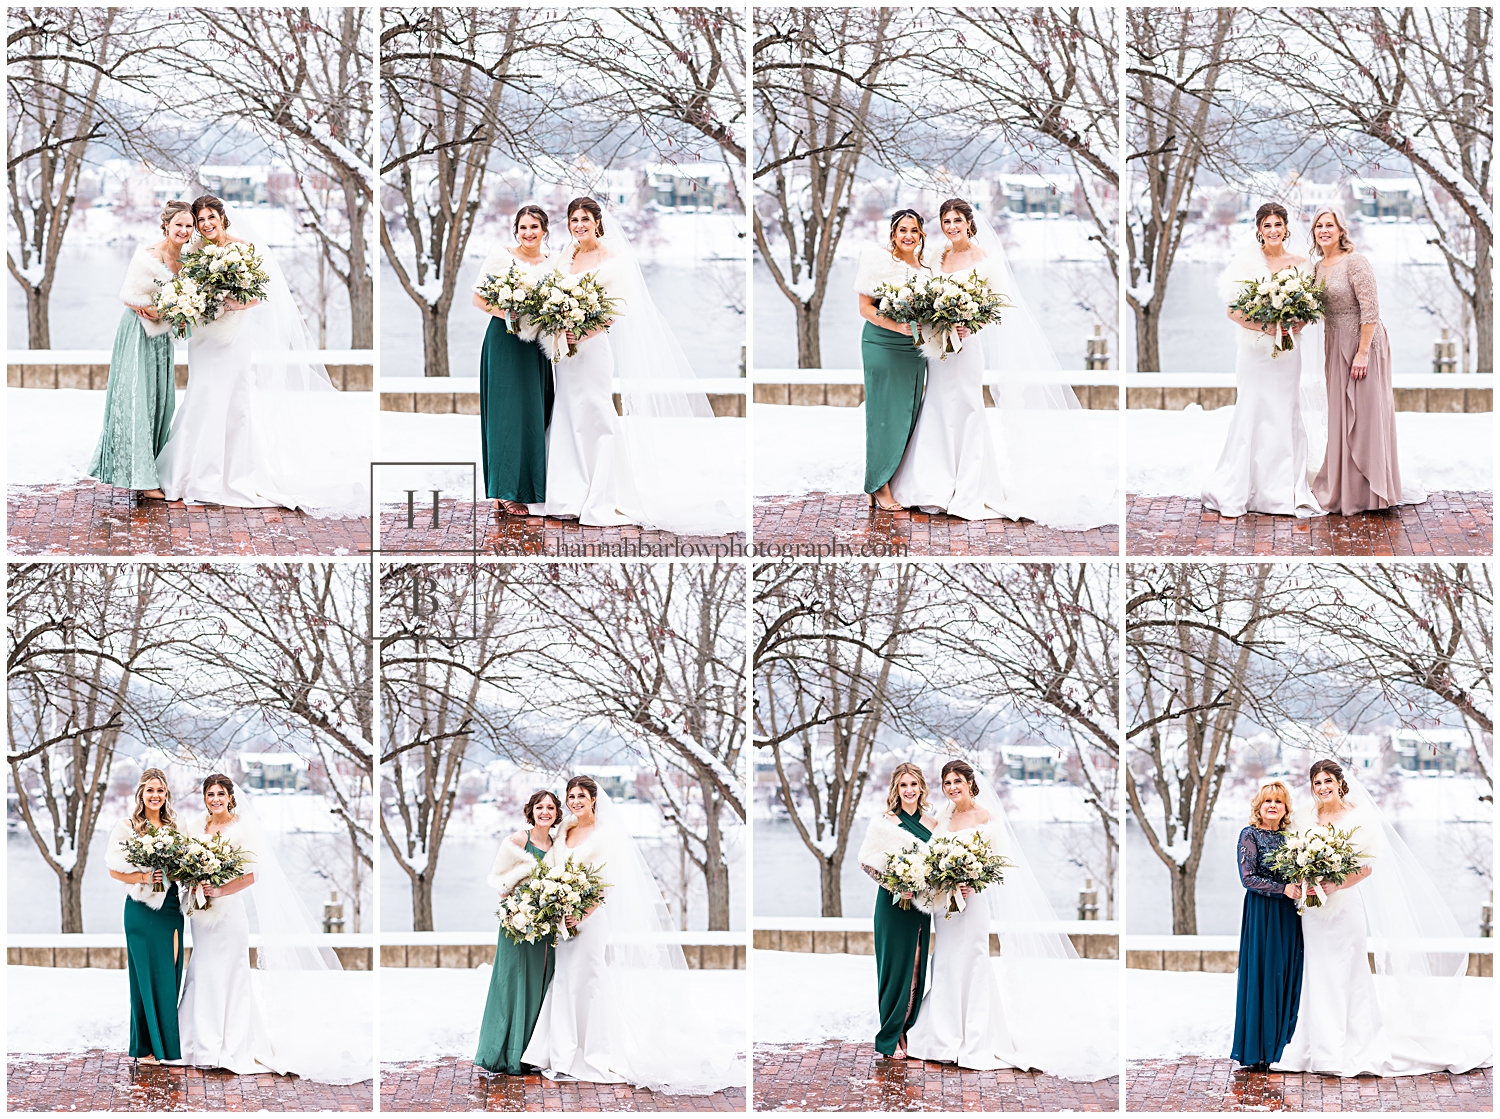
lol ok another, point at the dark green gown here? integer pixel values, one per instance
(515, 406)
(895, 372)
(155, 977)
(901, 937)
(518, 983)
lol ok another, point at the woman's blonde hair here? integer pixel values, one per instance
(172, 209)
(1345, 245)
(1271, 790)
(893, 794)
(138, 819)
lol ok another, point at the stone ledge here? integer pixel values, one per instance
(1104, 397)
(113, 958)
(1407, 400)
(350, 378)
(1090, 946)
(710, 957)
(1225, 962)
(724, 404)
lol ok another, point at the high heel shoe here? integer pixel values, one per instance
(876, 503)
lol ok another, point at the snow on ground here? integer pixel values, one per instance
(806, 449)
(1062, 1007)
(1173, 452)
(67, 1010)
(51, 433)
(710, 451)
(1178, 1014)
(427, 1013)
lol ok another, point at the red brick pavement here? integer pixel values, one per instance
(101, 1081)
(504, 535)
(457, 1084)
(92, 519)
(851, 1076)
(1205, 1084)
(792, 526)
(1449, 523)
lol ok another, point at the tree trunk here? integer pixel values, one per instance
(361, 284)
(809, 344)
(715, 872)
(1147, 339)
(421, 901)
(1484, 303)
(1184, 900)
(831, 886)
(70, 892)
(38, 323)
(434, 341)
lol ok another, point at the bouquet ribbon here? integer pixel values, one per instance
(956, 903)
(197, 898)
(940, 341)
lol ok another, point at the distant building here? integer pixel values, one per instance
(1035, 765)
(689, 186)
(1388, 199)
(1036, 195)
(1431, 753)
(274, 771)
(246, 185)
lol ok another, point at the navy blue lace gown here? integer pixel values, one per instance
(1270, 974)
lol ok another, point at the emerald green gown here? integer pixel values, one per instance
(155, 977)
(515, 406)
(901, 937)
(139, 400)
(895, 373)
(518, 983)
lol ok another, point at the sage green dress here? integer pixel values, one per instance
(895, 374)
(155, 975)
(139, 400)
(518, 983)
(901, 940)
(515, 407)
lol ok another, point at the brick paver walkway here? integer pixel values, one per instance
(814, 524)
(851, 1076)
(1205, 1084)
(457, 1084)
(1449, 523)
(101, 1081)
(458, 522)
(92, 519)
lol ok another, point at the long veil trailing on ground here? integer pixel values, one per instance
(667, 1039)
(1248, 263)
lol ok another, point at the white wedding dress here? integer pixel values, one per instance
(1344, 1025)
(1263, 467)
(219, 1017)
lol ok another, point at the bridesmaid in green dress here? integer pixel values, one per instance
(141, 394)
(901, 935)
(895, 370)
(153, 928)
(518, 981)
(515, 384)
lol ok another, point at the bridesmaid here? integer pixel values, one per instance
(515, 383)
(895, 370)
(522, 972)
(1269, 980)
(1360, 470)
(901, 935)
(153, 928)
(141, 393)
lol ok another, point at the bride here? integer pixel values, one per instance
(253, 427)
(1348, 1022)
(1263, 467)
(617, 1010)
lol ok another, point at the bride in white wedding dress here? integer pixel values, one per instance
(619, 1009)
(258, 424)
(1263, 467)
(966, 1018)
(1352, 1023)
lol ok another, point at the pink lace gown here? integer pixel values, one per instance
(1360, 470)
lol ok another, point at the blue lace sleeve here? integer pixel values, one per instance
(1250, 873)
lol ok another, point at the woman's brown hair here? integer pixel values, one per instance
(962, 207)
(138, 819)
(209, 202)
(1328, 765)
(1265, 211)
(536, 798)
(224, 783)
(536, 212)
(586, 784)
(588, 205)
(1269, 791)
(964, 770)
(896, 220)
(173, 208)
(893, 794)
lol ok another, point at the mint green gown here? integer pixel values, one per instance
(518, 983)
(138, 404)
(901, 939)
(155, 976)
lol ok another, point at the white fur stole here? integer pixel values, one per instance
(512, 866)
(114, 859)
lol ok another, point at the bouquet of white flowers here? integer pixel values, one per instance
(230, 271)
(183, 304)
(1282, 300)
(154, 849)
(207, 861)
(955, 301)
(962, 860)
(539, 906)
(511, 293)
(561, 303)
(906, 873)
(1318, 854)
(906, 302)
